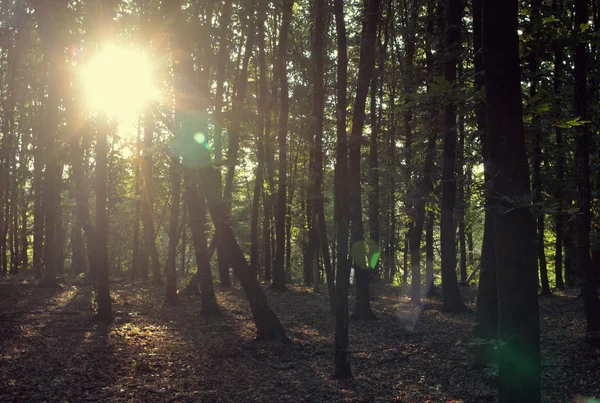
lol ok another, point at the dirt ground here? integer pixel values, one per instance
(52, 350)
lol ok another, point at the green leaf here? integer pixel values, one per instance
(365, 253)
(584, 27)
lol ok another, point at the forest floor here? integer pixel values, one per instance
(51, 350)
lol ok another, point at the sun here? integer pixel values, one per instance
(118, 81)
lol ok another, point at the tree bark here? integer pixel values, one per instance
(171, 263)
(582, 168)
(148, 199)
(452, 300)
(518, 310)
(279, 266)
(342, 367)
(362, 275)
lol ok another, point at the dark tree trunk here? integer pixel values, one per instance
(101, 233)
(319, 230)
(461, 204)
(197, 215)
(342, 214)
(38, 212)
(148, 200)
(268, 326)
(284, 109)
(486, 317)
(77, 253)
(537, 154)
(518, 310)
(365, 72)
(582, 168)
(425, 185)
(52, 177)
(260, 139)
(171, 264)
(429, 279)
(560, 158)
(221, 73)
(136, 258)
(452, 300)
(195, 157)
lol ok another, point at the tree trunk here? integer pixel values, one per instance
(136, 258)
(268, 326)
(148, 200)
(518, 310)
(170, 266)
(260, 139)
(582, 168)
(537, 153)
(365, 72)
(101, 232)
(486, 319)
(221, 72)
(560, 157)
(452, 300)
(429, 279)
(279, 267)
(342, 214)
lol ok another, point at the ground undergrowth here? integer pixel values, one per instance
(51, 349)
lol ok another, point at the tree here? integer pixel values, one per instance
(582, 168)
(279, 266)
(451, 293)
(342, 213)
(518, 311)
(365, 73)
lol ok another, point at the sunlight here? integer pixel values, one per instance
(118, 81)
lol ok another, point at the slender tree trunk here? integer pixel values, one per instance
(518, 310)
(560, 158)
(582, 168)
(171, 263)
(452, 300)
(486, 319)
(279, 267)
(537, 154)
(136, 258)
(429, 279)
(223, 57)
(342, 367)
(148, 199)
(101, 232)
(365, 73)
(260, 139)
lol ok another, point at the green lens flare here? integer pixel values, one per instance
(199, 138)
(365, 253)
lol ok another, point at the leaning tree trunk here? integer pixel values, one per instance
(267, 324)
(518, 310)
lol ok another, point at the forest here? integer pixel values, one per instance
(300, 200)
